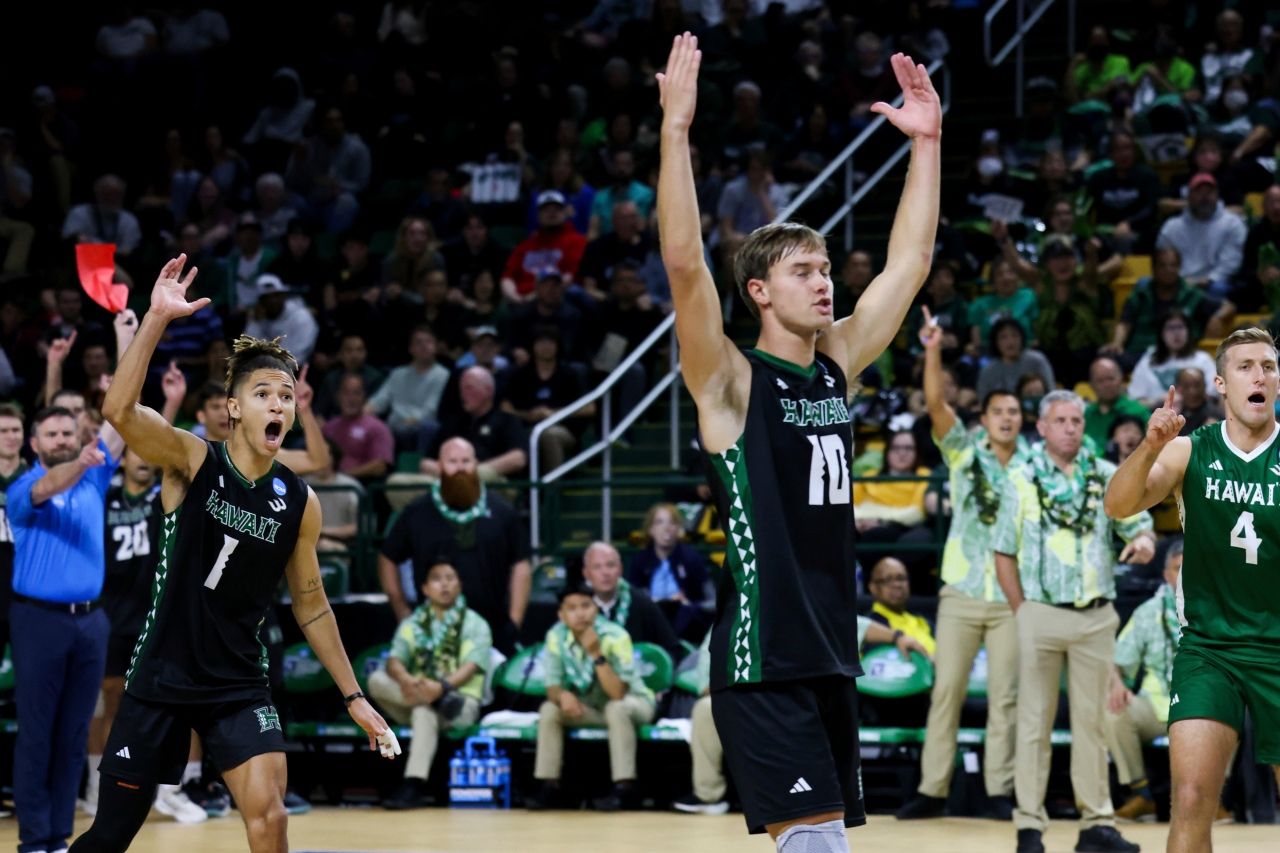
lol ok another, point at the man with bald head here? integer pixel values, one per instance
(1110, 401)
(619, 601)
(497, 437)
(477, 530)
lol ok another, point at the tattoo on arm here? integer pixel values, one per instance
(313, 584)
(316, 618)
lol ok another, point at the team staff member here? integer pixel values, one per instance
(12, 466)
(59, 631)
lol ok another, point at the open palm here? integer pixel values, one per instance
(920, 116)
(169, 296)
(678, 84)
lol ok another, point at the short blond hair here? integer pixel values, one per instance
(767, 245)
(1240, 337)
(652, 515)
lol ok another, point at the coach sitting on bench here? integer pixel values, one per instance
(434, 676)
(591, 680)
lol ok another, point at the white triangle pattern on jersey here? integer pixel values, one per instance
(739, 529)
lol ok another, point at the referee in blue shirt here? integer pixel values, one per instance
(59, 634)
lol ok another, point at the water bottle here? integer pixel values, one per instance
(457, 771)
(493, 772)
(475, 770)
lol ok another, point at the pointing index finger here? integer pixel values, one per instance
(1168, 400)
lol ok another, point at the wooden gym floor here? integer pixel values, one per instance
(448, 831)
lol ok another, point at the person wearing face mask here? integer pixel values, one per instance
(1096, 72)
(1208, 237)
(1230, 114)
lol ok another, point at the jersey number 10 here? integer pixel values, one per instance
(828, 471)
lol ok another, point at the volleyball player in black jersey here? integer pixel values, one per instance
(775, 425)
(234, 521)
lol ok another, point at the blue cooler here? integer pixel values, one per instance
(480, 776)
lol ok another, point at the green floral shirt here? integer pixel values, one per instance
(411, 641)
(567, 665)
(1150, 640)
(968, 563)
(1060, 563)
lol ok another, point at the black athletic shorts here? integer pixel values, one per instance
(792, 749)
(119, 653)
(149, 741)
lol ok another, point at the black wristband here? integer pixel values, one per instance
(353, 697)
(897, 635)
(600, 660)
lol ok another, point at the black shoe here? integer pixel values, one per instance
(1000, 808)
(690, 804)
(1104, 839)
(608, 803)
(547, 796)
(213, 798)
(920, 807)
(1029, 841)
(412, 794)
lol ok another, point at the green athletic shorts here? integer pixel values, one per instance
(1208, 684)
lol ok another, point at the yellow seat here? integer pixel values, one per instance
(1210, 345)
(1135, 267)
(1246, 320)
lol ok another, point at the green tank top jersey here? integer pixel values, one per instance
(1229, 589)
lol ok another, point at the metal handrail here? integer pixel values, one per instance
(611, 431)
(1024, 24)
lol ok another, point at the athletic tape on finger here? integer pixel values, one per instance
(388, 745)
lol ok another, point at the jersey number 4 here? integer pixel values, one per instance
(134, 541)
(215, 574)
(1244, 537)
(828, 471)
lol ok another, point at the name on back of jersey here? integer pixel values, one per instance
(241, 520)
(1234, 492)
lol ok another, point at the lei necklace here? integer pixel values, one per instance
(1056, 504)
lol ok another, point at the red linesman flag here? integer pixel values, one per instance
(96, 264)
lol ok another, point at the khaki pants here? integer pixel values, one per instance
(1127, 732)
(425, 720)
(554, 446)
(964, 624)
(1085, 640)
(620, 715)
(19, 235)
(708, 754)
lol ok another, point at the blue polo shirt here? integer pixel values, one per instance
(58, 545)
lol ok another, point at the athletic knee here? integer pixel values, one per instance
(267, 825)
(1195, 795)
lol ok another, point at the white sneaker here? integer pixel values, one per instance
(172, 802)
(88, 806)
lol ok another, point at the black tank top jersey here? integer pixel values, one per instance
(786, 604)
(222, 554)
(6, 543)
(133, 546)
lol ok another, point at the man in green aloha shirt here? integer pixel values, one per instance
(591, 679)
(434, 677)
(972, 610)
(1056, 565)
(1149, 640)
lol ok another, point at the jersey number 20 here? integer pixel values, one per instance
(828, 463)
(133, 539)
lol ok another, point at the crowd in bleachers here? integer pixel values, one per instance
(447, 210)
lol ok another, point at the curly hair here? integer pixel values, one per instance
(249, 354)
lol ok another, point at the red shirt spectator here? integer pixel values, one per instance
(368, 448)
(555, 244)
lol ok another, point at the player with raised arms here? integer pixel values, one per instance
(1226, 477)
(234, 521)
(775, 426)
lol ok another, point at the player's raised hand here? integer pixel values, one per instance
(930, 331)
(1165, 423)
(169, 296)
(678, 84)
(920, 116)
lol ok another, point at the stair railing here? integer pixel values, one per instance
(1023, 24)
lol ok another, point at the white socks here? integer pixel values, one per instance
(192, 773)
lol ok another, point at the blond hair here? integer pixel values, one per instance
(1240, 337)
(767, 245)
(652, 515)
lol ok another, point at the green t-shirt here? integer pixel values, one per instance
(567, 665)
(1021, 305)
(437, 648)
(1181, 75)
(1097, 424)
(1091, 82)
